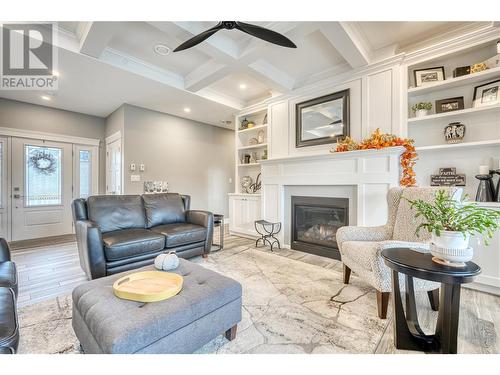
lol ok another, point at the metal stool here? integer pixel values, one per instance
(270, 229)
(219, 221)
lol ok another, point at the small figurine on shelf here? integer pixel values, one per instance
(244, 124)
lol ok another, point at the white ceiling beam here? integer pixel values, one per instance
(205, 75)
(270, 75)
(95, 37)
(348, 40)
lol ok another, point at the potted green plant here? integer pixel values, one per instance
(422, 108)
(451, 221)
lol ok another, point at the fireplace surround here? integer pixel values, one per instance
(315, 221)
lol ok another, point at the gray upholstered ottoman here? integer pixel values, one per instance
(208, 305)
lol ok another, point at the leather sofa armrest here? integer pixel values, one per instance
(205, 219)
(4, 250)
(90, 249)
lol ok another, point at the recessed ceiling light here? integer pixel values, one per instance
(161, 49)
(187, 109)
(46, 97)
(243, 86)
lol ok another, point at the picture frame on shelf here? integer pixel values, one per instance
(450, 104)
(428, 75)
(322, 120)
(486, 94)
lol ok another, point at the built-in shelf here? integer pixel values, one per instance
(461, 112)
(490, 142)
(249, 130)
(468, 79)
(249, 165)
(260, 145)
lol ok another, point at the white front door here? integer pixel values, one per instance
(114, 167)
(4, 204)
(41, 188)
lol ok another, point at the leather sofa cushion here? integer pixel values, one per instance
(8, 275)
(128, 243)
(115, 212)
(9, 329)
(164, 208)
(178, 234)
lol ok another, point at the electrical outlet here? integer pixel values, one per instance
(135, 177)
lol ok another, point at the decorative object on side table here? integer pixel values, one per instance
(421, 109)
(448, 177)
(428, 75)
(454, 132)
(487, 94)
(451, 104)
(152, 187)
(166, 262)
(407, 332)
(270, 229)
(380, 140)
(322, 120)
(451, 220)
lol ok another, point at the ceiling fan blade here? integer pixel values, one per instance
(265, 34)
(197, 39)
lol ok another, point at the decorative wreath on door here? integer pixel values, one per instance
(43, 162)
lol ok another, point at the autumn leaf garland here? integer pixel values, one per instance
(380, 140)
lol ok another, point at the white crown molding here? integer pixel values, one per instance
(13, 132)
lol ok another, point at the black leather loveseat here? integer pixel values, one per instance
(116, 233)
(9, 326)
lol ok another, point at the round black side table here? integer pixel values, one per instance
(407, 332)
(219, 222)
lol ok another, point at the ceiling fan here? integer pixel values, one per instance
(254, 30)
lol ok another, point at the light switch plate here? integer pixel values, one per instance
(132, 167)
(135, 178)
(142, 167)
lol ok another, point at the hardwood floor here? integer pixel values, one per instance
(49, 271)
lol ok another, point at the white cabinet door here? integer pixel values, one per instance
(243, 211)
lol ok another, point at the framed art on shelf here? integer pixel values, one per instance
(487, 94)
(322, 120)
(428, 75)
(451, 104)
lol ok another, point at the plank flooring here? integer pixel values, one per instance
(50, 271)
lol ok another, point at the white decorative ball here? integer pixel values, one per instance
(167, 261)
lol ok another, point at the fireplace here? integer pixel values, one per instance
(315, 221)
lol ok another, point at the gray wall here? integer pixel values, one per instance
(115, 122)
(19, 115)
(195, 158)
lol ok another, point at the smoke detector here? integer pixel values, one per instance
(161, 49)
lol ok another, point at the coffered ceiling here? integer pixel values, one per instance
(105, 64)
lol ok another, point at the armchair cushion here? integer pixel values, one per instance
(163, 209)
(131, 242)
(8, 275)
(179, 234)
(9, 326)
(4, 250)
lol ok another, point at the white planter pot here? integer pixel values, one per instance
(421, 112)
(452, 247)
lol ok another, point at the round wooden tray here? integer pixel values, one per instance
(148, 286)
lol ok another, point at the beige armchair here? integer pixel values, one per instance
(360, 247)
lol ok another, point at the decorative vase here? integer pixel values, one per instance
(497, 190)
(168, 261)
(451, 248)
(485, 190)
(454, 132)
(421, 112)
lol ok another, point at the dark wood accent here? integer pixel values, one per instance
(204, 255)
(407, 332)
(231, 333)
(382, 303)
(347, 274)
(434, 299)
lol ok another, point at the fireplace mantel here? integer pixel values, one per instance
(370, 172)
